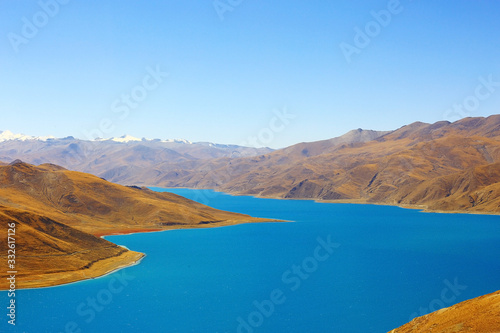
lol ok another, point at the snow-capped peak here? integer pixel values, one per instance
(177, 141)
(125, 138)
(129, 138)
(9, 136)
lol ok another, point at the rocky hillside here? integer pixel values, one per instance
(479, 315)
(50, 253)
(442, 166)
(58, 214)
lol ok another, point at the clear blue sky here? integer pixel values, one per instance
(227, 77)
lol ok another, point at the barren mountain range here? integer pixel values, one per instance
(442, 166)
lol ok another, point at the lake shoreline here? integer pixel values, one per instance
(98, 269)
(110, 265)
(184, 257)
(106, 266)
(422, 208)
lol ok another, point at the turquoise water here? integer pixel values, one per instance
(337, 268)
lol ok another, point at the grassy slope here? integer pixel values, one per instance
(481, 314)
(58, 214)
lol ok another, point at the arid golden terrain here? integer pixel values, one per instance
(60, 214)
(481, 314)
(439, 167)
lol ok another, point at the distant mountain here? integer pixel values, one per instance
(441, 166)
(125, 138)
(9, 136)
(308, 149)
(122, 159)
(129, 138)
(59, 215)
(130, 160)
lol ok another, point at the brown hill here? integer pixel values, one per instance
(50, 253)
(442, 166)
(308, 149)
(94, 205)
(481, 315)
(58, 214)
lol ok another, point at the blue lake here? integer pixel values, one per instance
(337, 268)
